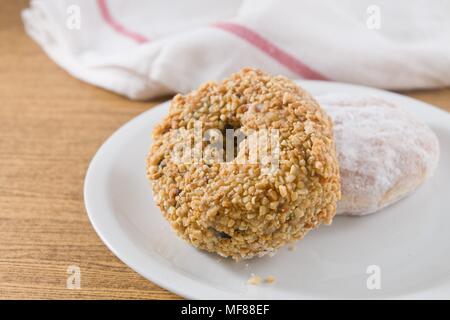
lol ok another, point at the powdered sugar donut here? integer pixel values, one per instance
(384, 153)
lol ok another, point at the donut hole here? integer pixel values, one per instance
(222, 145)
(232, 137)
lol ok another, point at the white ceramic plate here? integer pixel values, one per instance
(409, 241)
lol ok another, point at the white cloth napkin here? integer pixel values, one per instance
(144, 48)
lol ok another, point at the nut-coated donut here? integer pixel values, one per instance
(230, 205)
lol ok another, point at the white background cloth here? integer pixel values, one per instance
(144, 48)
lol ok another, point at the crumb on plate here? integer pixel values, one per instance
(269, 279)
(254, 280)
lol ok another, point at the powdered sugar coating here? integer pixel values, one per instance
(384, 153)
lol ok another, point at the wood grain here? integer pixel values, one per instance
(50, 127)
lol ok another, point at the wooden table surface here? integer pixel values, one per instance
(50, 127)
